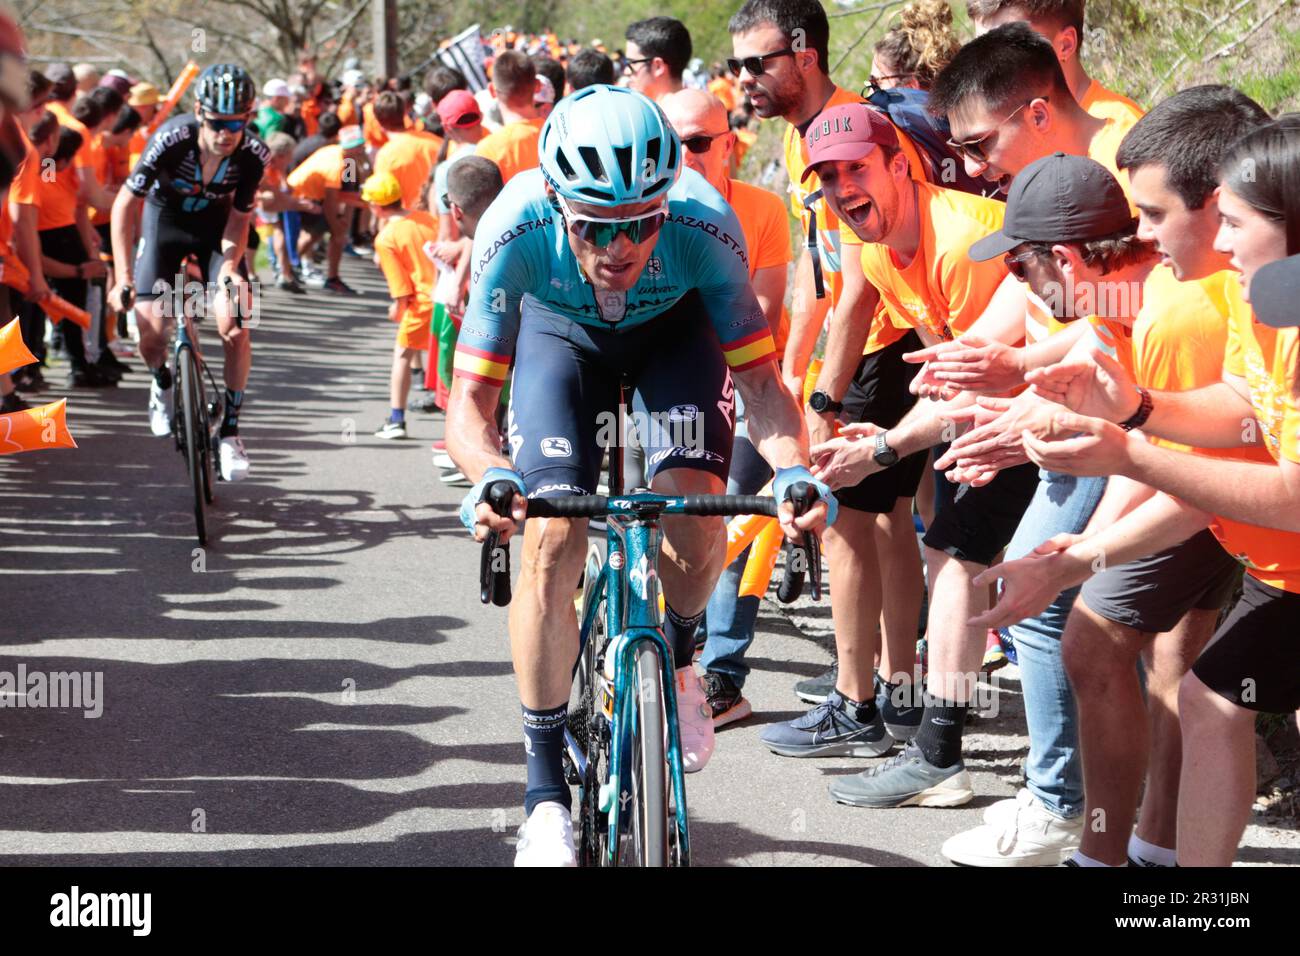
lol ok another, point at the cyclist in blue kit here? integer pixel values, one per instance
(611, 261)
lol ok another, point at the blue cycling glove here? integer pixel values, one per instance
(475, 495)
(785, 477)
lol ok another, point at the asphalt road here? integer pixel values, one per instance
(322, 685)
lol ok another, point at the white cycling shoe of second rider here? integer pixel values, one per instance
(234, 460)
(546, 838)
(694, 720)
(160, 410)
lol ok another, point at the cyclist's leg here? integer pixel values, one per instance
(562, 389)
(685, 400)
(157, 275)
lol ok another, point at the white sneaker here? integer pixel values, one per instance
(1017, 832)
(234, 460)
(311, 277)
(546, 838)
(160, 410)
(443, 460)
(694, 720)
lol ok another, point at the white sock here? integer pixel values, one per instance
(1149, 854)
(1080, 860)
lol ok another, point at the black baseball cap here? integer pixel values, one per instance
(1059, 198)
(1275, 293)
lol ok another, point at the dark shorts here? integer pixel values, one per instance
(166, 240)
(1252, 659)
(1152, 594)
(564, 397)
(878, 394)
(979, 522)
(314, 223)
(64, 245)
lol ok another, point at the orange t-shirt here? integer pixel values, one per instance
(763, 221)
(401, 247)
(101, 166)
(320, 171)
(723, 90)
(65, 118)
(24, 190)
(831, 233)
(375, 134)
(409, 157)
(1107, 104)
(942, 289)
(347, 109)
(1269, 360)
(513, 147)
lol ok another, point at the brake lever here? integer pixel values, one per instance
(494, 573)
(803, 558)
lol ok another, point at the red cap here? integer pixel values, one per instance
(459, 108)
(846, 132)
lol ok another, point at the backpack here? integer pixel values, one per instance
(906, 108)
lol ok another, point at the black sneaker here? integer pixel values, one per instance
(288, 284)
(89, 377)
(337, 286)
(110, 364)
(13, 402)
(815, 689)
(727, 702)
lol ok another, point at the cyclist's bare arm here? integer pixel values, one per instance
(775, 424)
(234, 240)
(126, 215)
(474, 444)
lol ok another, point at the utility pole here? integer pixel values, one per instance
(383, 22)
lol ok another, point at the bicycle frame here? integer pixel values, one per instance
(629, 584)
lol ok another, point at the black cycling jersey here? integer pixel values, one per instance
(170, 172)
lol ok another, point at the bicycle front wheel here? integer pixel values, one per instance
(196, 437)
(644, 798)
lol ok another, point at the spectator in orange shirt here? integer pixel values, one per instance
(274, 200)
(514, 146)
(331, 177)
(723, 88)
(410, 154)
(404, 248)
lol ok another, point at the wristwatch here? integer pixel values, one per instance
(820, 402)
(1139, 418)
(884, 455)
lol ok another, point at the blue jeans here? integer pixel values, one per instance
(729, 619)
(292, 223)
(1062, 504)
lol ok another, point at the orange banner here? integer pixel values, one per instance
(174, 95)
(13, 351)
(35, 429)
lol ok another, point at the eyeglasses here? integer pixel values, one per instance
(873, 82)
(225, 125)
(977, 149)
(628, 64)
(755, 64)
(702, 143)
(601, 232)
(1016, 264)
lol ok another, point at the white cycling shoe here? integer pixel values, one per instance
(694, 720)
(546, 838)
(234, 460)
(160, 410)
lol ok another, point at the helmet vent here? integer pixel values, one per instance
(624, 156)
(565, 166)
(592, 159)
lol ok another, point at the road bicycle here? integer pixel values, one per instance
(622, 743)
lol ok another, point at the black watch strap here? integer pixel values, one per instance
(1139, 418)
(821, 402)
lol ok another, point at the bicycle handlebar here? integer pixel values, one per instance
(802, 559)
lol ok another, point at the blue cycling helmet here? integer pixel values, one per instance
(225, 89)
(606, 145)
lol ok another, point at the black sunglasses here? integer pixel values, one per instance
(628, 64)
(702, 143)
(755, 64)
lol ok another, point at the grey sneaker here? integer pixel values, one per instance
(907, 780)
(900, 710)
(814, 689)
(829, 730)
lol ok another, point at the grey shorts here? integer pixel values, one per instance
(1152, 594)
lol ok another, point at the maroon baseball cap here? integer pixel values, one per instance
(846, 132)
(459, 108)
